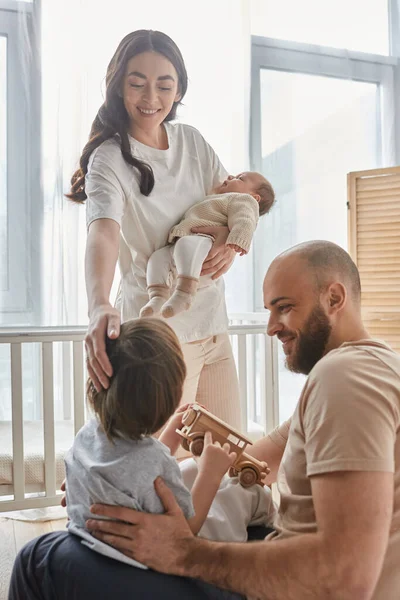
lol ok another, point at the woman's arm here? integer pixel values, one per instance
(102, 248)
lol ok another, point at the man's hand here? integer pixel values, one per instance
(220, 257)
(162, 542)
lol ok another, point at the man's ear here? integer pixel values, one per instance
(336, 297)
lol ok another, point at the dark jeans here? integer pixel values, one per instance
(56, 566)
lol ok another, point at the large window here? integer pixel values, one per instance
(317, 113)
(19, 176)
(3, 163)
(351, 24)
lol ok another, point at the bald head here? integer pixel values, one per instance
(312, 292)
(326, 261)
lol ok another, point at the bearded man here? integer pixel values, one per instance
(336, 463)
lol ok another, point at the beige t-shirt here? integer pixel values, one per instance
(184, 174)
(347, 419)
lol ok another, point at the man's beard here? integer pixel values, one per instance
(311, 342)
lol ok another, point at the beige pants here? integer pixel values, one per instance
(212, 378)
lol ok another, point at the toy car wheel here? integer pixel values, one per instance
(185, 444)
(232, 472)
(248, 477)
(196, 446)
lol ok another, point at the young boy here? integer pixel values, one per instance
(115, 459)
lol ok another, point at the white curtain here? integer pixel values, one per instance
(67, 45)
(76, 40)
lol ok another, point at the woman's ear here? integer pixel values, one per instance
(178, 97)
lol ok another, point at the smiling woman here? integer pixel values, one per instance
(150, 88)
(140, 173)
(142, 60)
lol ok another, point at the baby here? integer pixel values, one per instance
(237, 203)
(115, 459)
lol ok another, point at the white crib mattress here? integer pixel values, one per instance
(33, 451)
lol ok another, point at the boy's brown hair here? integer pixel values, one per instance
(147, 381)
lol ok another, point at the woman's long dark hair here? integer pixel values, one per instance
(112, 119)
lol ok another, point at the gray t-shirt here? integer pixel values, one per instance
(120, 472)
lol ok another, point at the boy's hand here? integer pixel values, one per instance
(237, 249)
(175, 422)
(215, 459)
(169, 437)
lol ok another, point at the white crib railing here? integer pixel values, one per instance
(57, 387)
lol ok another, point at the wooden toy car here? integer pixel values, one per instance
(197, 420)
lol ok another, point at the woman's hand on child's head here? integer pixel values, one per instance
(237, 249)
(105, 320)
(215, 460)
(220, 257)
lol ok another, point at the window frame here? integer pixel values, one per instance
(20, 301)
(298, 57)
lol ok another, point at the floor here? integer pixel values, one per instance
(13, 535)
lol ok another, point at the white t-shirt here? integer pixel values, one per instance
(184, 174)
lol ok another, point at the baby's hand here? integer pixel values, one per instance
(237, 249)
(215, 459)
